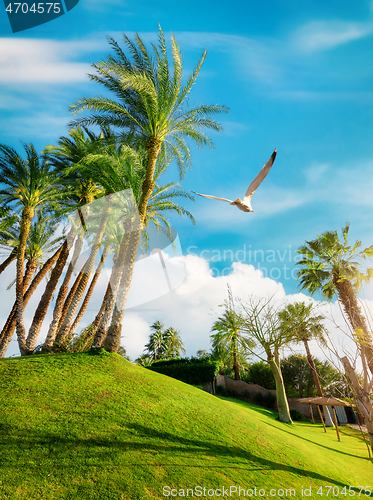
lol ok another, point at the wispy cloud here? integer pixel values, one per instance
(324, 35)
(36, 61)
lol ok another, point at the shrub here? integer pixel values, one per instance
(297, 416)
(269, 400)
(259, 398)
(195, 371)
(221, 390)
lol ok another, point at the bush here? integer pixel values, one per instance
(221, 390)
(259, 398)
(269, 400)
(194, 371)
(297, 416)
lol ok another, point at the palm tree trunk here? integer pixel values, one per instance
(235, 362)
(46, 298)
(8, 260)
(112, 341)
(69, 298)
(66, 325)
(7, 332)
(328, 418)
(119, 263)
(153, 146)
(27, 215)
(282, 402)
(348, 299)
(90, 290)
(62, 294)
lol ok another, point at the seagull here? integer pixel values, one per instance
(245, 204)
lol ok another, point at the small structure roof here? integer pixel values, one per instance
(324, 401)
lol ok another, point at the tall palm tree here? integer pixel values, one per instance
(28, 185)
(152, 103)
(301, 325)
(331, 266)
(152, 107)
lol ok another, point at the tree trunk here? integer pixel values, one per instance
(8, 260)
(67, 323)
(118, 265)
(7, 332)
(282, 402)
(68, 300)
(112, 341)
(350, 304)
(62, 294)
(328, 418)
(46, 298)
(153, 146)
(27, 215)
(90, 291)
(236, 368)
(363, 400)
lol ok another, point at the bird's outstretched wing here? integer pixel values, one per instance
(260, 177)
(213, 197)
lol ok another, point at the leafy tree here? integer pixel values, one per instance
(260, 373)
(262, 325)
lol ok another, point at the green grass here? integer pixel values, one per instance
(81, 426)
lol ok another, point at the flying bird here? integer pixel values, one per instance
(245, 204)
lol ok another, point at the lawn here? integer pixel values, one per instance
(84, 426)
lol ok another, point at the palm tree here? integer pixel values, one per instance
(156, 345)
(29, 185)
(331, 267)
(152, 108)
(229, 336)
(173, 342)
(302, 325)
(40, 242)
(229, 328)
(151, 103)
(69, 152)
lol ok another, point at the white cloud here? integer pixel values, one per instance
(191, 308)
(324, 35)
(43, 61)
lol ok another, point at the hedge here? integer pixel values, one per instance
(195, 371)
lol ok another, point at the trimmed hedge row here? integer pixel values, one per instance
(194, 371)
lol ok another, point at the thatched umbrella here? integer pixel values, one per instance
(327, 402)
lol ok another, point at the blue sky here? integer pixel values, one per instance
(295, 75)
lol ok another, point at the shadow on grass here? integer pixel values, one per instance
(30, 450)
(287, 428)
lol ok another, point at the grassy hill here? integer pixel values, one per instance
(83, 426)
